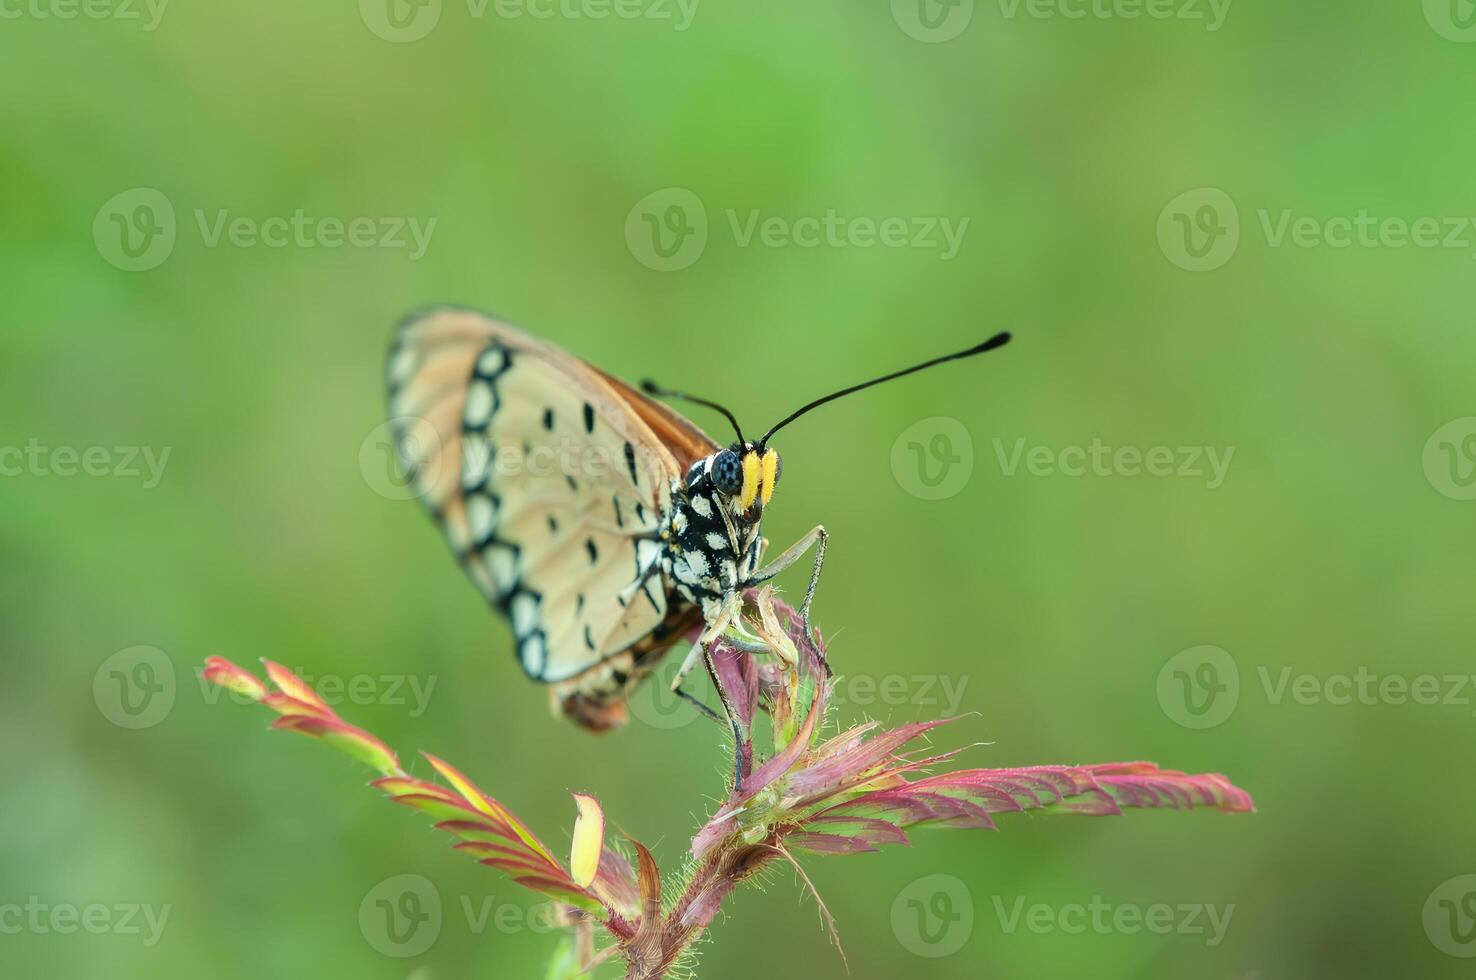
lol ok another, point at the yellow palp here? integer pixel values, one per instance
(750, 480)
(769, 476)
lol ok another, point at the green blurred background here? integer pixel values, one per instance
(1339, 538)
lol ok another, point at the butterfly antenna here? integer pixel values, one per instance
(998, 340)
(655, 390)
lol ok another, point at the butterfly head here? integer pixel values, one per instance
(746, 474)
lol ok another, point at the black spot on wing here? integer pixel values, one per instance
(548, 419)
(630, 464)
(589, 418)
(594, 553)
(553, 524)
(619, 517)
(588, 638)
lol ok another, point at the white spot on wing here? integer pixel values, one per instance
(478, 404)
(503, 565)
(533, 655)
(481, 515)
(716, 541)
(647, 553)
(403, 364)
(524, 613)
(701, 507)
(476, 457)
(492, 361)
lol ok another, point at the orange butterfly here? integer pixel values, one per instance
(601, 523)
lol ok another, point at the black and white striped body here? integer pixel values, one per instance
(711, 546)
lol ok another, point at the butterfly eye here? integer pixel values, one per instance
(727, 472)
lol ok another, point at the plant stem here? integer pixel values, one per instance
(686, 920)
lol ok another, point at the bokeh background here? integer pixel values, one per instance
(1124, 181)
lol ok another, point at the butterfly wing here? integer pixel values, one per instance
(547, 478)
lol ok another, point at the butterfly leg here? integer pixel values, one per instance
(702, 650)
(693, 656)
(816, 539)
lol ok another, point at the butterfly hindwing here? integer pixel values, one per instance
(548, 484)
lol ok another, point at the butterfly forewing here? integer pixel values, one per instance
(548, 482)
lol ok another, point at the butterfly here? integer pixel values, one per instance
(601, 523)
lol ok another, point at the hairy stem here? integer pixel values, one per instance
(683, 924)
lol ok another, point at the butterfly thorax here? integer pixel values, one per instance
(711, 544)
